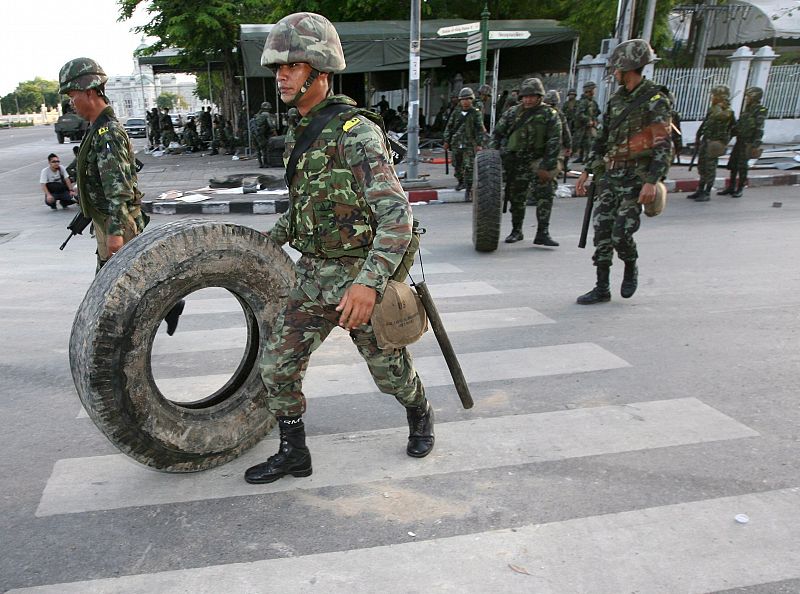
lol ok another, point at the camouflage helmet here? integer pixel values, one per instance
(721, 91)
(572, 92)
(754, 93)
(304, 37)
(589, 84)
(484, 90)
(266, 105)
(466, 93)
(531, 86)
(631, 55)
(81, 74)
(552, 97)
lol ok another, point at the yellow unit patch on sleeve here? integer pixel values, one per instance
(103, 130)
(351, 123)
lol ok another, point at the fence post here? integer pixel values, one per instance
(759, 69)
(737, 80)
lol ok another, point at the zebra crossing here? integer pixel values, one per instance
(606, 553)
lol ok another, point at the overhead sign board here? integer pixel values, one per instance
(456, 29)
(509, 34)
(475, 38)
(474, 47)
(473, 56)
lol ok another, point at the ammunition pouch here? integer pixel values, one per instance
(716, 148)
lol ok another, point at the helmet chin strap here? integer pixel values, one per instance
(306, 85)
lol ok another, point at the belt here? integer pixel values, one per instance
(622, 164)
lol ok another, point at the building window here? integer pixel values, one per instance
(128, 104)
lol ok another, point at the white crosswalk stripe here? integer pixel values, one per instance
(686, 547)
(109, 482)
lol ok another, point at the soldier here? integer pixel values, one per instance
(106, 169)
(484, 104)
(167, 129)
(229, 138)
(153, 129)
(630, 155)
(348, 252)
(585, 122)
(205, 125)
(464, 136)
(218, 135)
(264, 130)
(552, 98)
(569, 107)
(529, 137)
(749, 130)
(512, 100)
(714, 135)
(191, 139)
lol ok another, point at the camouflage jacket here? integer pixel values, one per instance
(644, 136)
(165, 122)
(566, 135)
(464, 129)
(537, 136)
(347, 210)
(107, 181)
(587, 112)
(718, 124)
(568, 109)
(264, 127)
(750, 127)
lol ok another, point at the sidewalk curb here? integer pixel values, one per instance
(416, 197)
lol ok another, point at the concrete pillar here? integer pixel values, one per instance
(737, 81)
(759, 68)
(650, 69)
(583, 68)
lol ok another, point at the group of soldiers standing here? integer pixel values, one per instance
(197, 134)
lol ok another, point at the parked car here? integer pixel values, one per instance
(136, 127)
(177, 122)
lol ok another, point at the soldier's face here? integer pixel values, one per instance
(529, 101)
(466, 103)
(290, 78)
(80, 102)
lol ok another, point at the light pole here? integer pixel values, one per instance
(413, 93)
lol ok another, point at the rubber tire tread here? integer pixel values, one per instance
(115, 325)
(487, 201)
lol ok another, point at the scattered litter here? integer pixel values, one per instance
(519, 569)
(742, 518)
(564, 191)
(777, 204)
(170, 195)
(192, 198)
(412, 534)
(386, 495)
(235, 158)
(228, 190)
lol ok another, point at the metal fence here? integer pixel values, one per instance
(691, 88)
(782, 95)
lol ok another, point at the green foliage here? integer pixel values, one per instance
(167, 101)
(30, 95)
(202, 90)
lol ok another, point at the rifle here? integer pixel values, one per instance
(695, 152)
(566, 167)
(76, 226)
(587, 215)
(446, 167)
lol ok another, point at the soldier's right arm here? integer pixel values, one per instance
(448, 128)
(280, 230)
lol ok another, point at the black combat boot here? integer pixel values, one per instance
(420, 430)
(601, 292)
(173, 316)
(731, 188)
(704, 194)
(739, 189)
(292, 458)
(630, 279)
(468, 194)
(543, 236)
(459, 186)
(515, 235)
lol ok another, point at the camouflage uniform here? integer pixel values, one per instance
(153, 128)
(191, 139)
(361, 241)
(716, 127)
(463, 133)
(569, 108)
(264, 129)
(167, 129)
(205, 125)
(587, 112)
(530, 141)
(106, 167)
(748, 131)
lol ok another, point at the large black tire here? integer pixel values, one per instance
(60, 137)
(487, 199)
(113, 333)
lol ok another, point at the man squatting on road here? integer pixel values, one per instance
(351, 221)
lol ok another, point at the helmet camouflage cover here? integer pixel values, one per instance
(531, 86)
(631, 55)
(466, 93)
(81, 74)
(721, 91)
(572, 92)
(304, 37)
(484, 89)
(552, 97)
(266, 105)
(754, 93)
(589, 84)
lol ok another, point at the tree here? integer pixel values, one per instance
(209, 92)
(167, 101)
(203, 32)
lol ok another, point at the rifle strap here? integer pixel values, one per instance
(310, 134)
(643, 98)
(526, 115)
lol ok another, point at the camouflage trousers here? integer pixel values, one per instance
(542, 194)
(167, 137)
(706, 165)
(134, 225)
(738, 162)
(616, 216)
(582, 139)
(300, 329)
(519, 181)
(154, 136)
(463, 165)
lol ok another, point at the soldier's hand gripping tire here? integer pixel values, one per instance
(487, 187)
(115, 325)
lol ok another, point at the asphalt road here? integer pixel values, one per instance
(610, 449)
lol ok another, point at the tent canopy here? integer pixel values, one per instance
(371, 46)
(757, 20)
